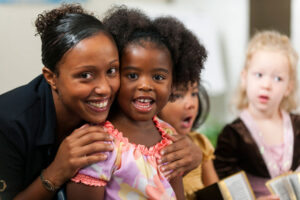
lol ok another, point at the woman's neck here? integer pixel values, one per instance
(66, 122)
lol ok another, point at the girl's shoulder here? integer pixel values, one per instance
(204, 143)
(199, 138)
(166, 127)
(114, 132)
(295, 117)
(236, 124)
(236, 129)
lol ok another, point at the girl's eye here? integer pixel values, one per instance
(258, 74)
(132, 76)
(112, 71)
(194, 94)
(176, 96)
(158, 77)
(277, 78)
(86, 75)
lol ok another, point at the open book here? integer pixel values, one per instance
(286, 186)
(234, 187)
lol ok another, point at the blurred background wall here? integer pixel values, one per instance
(224, 27)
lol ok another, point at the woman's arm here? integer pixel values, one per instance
(77, 150)
(11, 168)
(177, 186)
(181, 157)
(80, 191)
(209, 174)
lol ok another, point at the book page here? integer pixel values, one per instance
(282, 187)
(238, 187)
(294, 180)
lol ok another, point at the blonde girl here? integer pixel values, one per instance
(261, 140)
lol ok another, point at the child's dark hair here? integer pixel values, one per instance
(133, 26)
(204, 106)
(62, 28)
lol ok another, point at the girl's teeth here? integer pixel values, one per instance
(144, 100)
(99, 104)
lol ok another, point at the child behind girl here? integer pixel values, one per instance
(154, 55)
(188, 109)
(263, 140)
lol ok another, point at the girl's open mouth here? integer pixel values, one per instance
(263, 98)
(143, 104)
(187, 122)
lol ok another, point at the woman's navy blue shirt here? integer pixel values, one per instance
(27, 135)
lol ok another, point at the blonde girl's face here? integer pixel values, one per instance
(181, 113)
(267, 81)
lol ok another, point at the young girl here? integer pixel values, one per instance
(152, 54)
(262, 140)
(187, 110)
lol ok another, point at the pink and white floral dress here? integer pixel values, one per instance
(131, 171)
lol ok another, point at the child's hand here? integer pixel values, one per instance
(269, 197)
(83, 147)
(180, 157)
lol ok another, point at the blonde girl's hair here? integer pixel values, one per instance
(271, 41)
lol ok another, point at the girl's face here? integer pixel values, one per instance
(87, 80)
(146, 79)
(267, 81)
(181, 113)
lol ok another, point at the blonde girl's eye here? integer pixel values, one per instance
(277, 79)
(258, 74)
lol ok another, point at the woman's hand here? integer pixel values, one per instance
(79, 149)
(180, 157)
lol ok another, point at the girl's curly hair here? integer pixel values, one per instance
(132, 26)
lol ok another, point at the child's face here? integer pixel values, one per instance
(267, 81)
(146, 79)
(182, 112)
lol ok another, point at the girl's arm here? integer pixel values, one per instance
(177, 186)
(209, 174)
(80, 191)
(227, 152)
(181, 157)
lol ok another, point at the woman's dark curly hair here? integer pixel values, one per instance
(62, 28)
(130, 26)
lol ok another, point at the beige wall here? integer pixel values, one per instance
(20, 59)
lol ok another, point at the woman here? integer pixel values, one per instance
(49, 127)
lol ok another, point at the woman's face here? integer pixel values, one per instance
(87, 80)
(181, 113)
